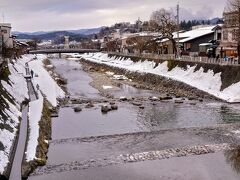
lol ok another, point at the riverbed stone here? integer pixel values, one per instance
(114, 107)
(167, 97)
(112, 103)
(77, 109)
(89, 105)
(105, 108)
(137, 103)
(191, 98)
(153, 98)
(193, 103)
(123, 98)
(179, 101)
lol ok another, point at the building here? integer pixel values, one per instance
(190, 41)
(6, 40)
(228, 45)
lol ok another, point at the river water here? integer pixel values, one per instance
(130, 119)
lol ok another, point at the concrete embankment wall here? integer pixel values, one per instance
(221, 81)
(229, 74)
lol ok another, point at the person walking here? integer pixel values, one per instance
(32, 73)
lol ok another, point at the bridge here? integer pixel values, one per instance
(59, 51)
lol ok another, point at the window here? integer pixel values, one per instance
(4, 31)
(235, 35)
(225, 35)
(219, 36)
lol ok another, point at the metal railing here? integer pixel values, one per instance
(201, 59)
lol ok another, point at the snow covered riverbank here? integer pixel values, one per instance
(205, 81)
(50, 90)
(14, 91)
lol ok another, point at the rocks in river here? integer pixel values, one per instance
(193, 103)
(112, 103)
(77, 109)
(153, 98)
(76, 101)
(105, 108)
(166, 97)
(89, 105)
(200, 100)
(191, 98)
(123, 98)
(179, 101)
(114, 107)
(141, 107)
(137, 103)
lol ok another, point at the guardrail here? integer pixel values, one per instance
(207, 60)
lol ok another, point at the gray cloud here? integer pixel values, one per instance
(33, 15)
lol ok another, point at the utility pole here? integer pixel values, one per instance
(3, 17)
(178, 29)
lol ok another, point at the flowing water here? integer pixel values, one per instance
(116, 133)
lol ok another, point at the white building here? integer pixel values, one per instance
(6, 39)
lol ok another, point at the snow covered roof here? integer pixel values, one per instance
(196, 33)
(205, 44)
(142, 34)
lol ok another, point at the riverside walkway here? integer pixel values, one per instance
(16, 170)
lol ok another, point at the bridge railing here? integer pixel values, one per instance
(201, 59)
(55, 51)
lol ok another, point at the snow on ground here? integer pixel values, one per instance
(107, 87)
(17, 89)
(46, 83)
(208, 82)
(34, 115)
(49, 88)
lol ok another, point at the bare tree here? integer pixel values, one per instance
(164, 22)
(138, 42)
(233, 7)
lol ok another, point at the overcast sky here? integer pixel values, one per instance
(47, 15)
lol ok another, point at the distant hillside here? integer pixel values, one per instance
(44, 34)
(30, 33)
(57, 36)
(86, 31)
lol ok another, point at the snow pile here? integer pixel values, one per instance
(35, 114)
(208, 82)
(17, 91)
(49, 88)
(46, 83)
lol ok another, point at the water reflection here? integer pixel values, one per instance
(171, 115)
(229, 114)
(233, 158)
(129, 91)
(78, 80)
(156, 117)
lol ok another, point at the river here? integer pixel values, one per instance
(85, 145)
